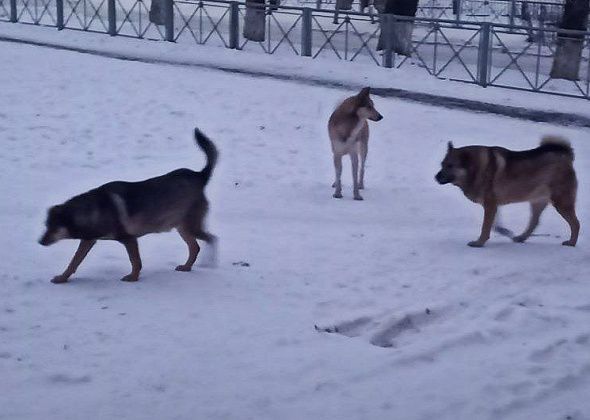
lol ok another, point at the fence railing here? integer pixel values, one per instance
(483, 53)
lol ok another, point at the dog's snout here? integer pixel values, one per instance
(440, 178)
(379, 117)
(45, 240)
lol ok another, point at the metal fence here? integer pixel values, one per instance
(484, 53)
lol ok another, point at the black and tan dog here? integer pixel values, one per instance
(494, 176)
(124, 211)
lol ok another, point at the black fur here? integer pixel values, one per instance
(210, 151)
(559, 148)
(94, 214)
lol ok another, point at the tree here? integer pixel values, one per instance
(568, 54)
(401, 30)
(254, 20)
(156, 14)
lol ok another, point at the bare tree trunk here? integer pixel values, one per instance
(568, 55)
(156, 13)
(343, 4)
(255, 20)
(401, 33)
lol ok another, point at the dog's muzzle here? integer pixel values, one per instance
(442, 178)
(379, 117)
(46, 240)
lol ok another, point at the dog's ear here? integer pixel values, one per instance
(364, 92)
(449, 146)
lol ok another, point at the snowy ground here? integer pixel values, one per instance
(430, 328)
(347, 74)
(447, 51)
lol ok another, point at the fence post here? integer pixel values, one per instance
(234, 25)
(59, 18)
(13, 13)
(112, 14)
(306, 38)
(169, 19)
(387, 36)
(484, 54)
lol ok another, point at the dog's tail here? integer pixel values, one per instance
(210, 150)
(557, 144)
(500, 229)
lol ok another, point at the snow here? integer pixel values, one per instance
(328, 70)
(428, 328)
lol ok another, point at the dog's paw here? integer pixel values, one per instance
(520, 238)
(568, 243)
(59, 279)
(361, 186)
(337, 195)
(130, 278)
(476, 244)
(183, 267)
(358, 198)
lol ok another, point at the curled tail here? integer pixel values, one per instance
(557, 144)
(210, 150)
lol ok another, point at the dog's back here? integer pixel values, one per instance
(344, 122)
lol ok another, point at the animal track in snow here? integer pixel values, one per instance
(384, 330)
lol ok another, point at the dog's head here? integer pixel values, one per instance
(365, 106)
(56, 226)
(453, 167)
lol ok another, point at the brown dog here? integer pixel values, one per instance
(349, 135)
(494, 176)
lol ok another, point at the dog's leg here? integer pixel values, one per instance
(210, 252)
(490, 208)
(134, 258)
(338, 181)
(567, 210)
(536, 210)
(193, 250)
(363, 149)
(354, 160)
(83, 249)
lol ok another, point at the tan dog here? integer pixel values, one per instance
(349, 135)
(494, 176)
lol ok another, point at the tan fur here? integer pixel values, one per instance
(349, 135)
(494, 176)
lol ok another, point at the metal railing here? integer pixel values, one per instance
(483, 53)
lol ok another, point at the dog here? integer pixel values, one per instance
(349, 135)
(494, 176)
(124, 211)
